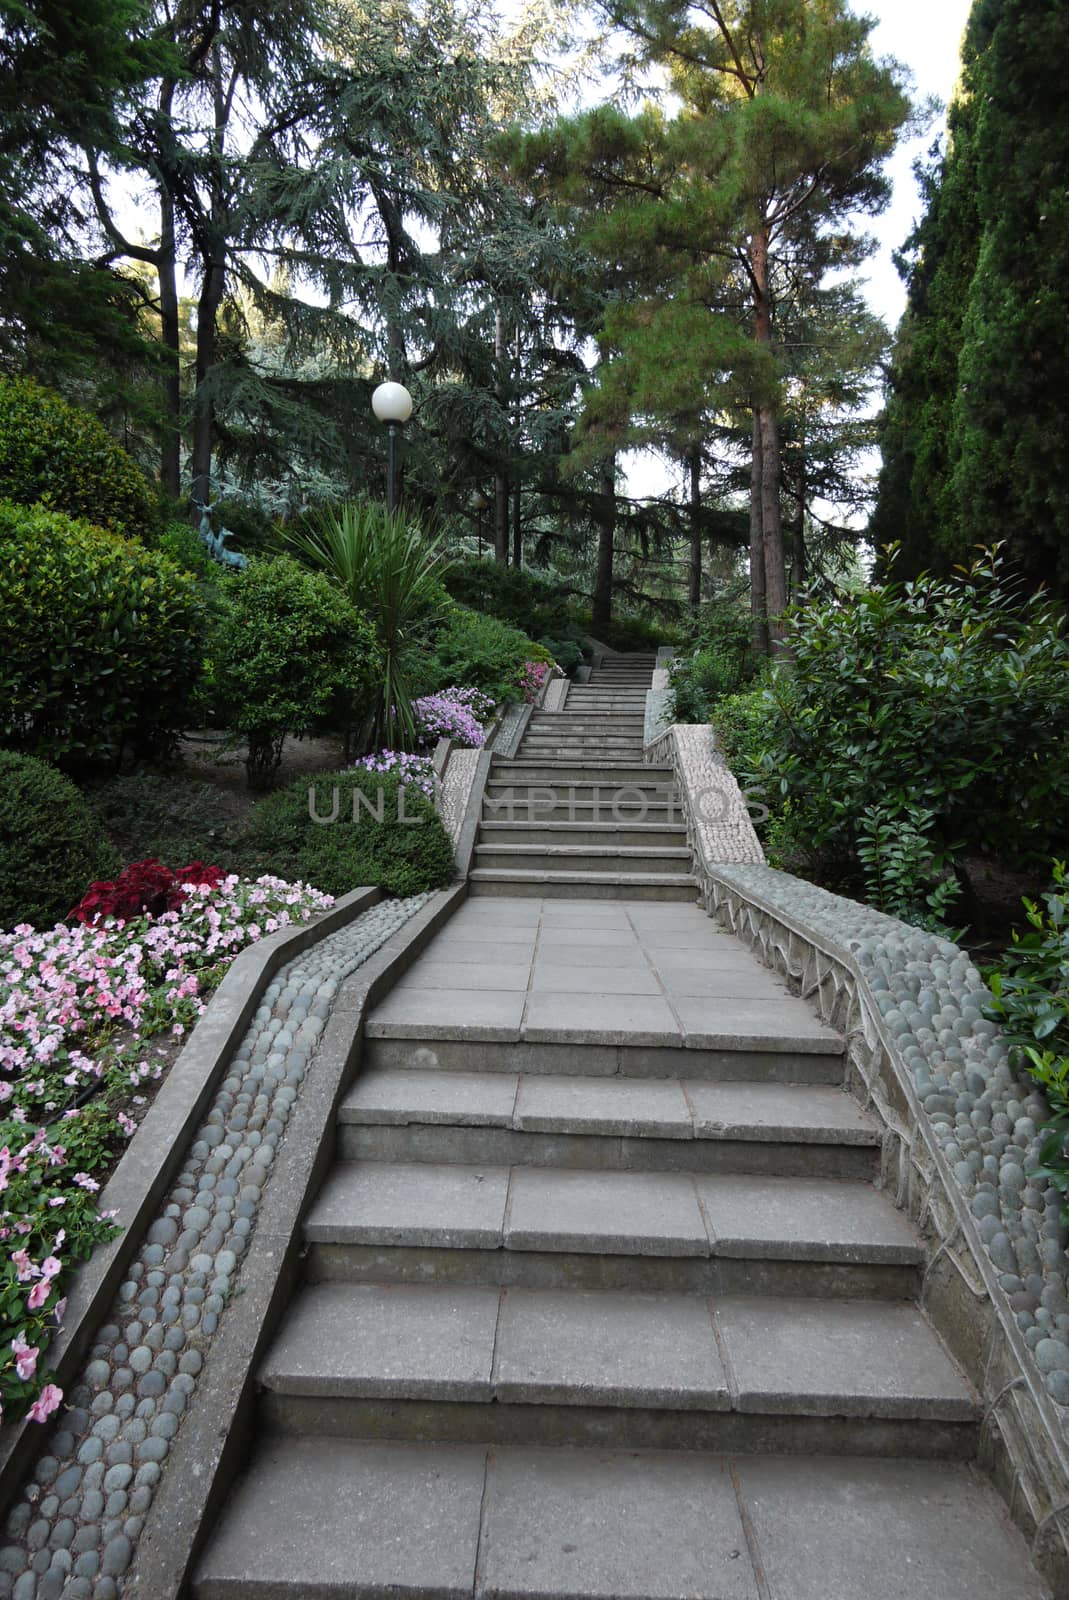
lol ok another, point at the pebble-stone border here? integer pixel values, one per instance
(511, 731)
(961, 1133)
(74, 1530)
(454, 790)
(718, 822)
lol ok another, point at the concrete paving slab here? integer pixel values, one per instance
(602, 938)
(462, 1099)
(804, 1219)
(370, 1202)
(419, 1341)
(570, 1347)
(517, 909)
(650, 1108)
(714, 1024)
(777, 1113)
(610, 1018)
(443, 1014)
(884, 1530)
(582, 1525)
(329, 1517)
(852, 1358)
(580, 978)
(485, 951)
(723, 981)
(622, 1213)
(473, 930)
(504, 977)
(582, 914)
(580, 954)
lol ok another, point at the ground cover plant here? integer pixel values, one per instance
(83, 1006)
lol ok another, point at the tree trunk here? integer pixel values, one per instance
(501, 484)
(772, 526)
(694, 587)
(211, 297)
(605, 516)
(758, 613)
(517, 524)
(171, 441)
(765, 419)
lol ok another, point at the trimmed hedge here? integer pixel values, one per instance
(102, 639)
(52, 846)
(52, 454)
(406, 852)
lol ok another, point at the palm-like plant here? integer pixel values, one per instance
(391, 570)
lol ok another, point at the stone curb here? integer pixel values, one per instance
(1023, 1442)
(212, 1445)
(469, 827)
(153, 1157)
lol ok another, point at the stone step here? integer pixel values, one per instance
(618, 1370)
(390, 1051)
(605, 773)
(612, 857)
(598, 1123)
(538, 1227)
(623, 797)
(523, 811)
(580, 833)
(336, 1519)
(592, 720)
(554, 747)
(560, 885)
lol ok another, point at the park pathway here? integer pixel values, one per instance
(601, 1299)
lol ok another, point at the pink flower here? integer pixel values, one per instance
(39, 1294)
(25, 1357)
(45, 1404)
(50, 1267)
(24, 1266)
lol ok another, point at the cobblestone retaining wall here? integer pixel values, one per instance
(718, 822)
(960, 1138)
(73, 1532)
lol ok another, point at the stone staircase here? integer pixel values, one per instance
(576, 813)
(601, 1298)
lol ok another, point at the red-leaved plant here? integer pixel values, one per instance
(144, 888)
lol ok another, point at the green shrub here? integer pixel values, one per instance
(384, 563)
(184, 546)
(720, 661)
(539, 604)
(52, 847)
(479, 653)
(102, 639)
(402, 857)
(289, 652)
(1030, 998)
(948, 699)
(55, 455)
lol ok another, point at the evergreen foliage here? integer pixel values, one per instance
(52, 846)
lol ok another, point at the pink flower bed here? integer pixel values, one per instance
(77, 1005)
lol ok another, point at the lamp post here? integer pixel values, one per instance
(392, 404)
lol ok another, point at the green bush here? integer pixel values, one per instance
(1030, 998)
(402, 857)
(289, 652)
(52, 847)
(479, 653)
(102, 639)
(719, 662)
(942, 701)
(55, 455)
(184, 546)
(538, 604)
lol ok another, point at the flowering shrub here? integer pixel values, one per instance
(454, 714)
(416, 772)
(144, 887)
(77, 1004)
(533, 678)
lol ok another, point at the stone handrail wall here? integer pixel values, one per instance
(714, 807)
(961, 1131)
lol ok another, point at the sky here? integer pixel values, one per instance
(925, 36)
